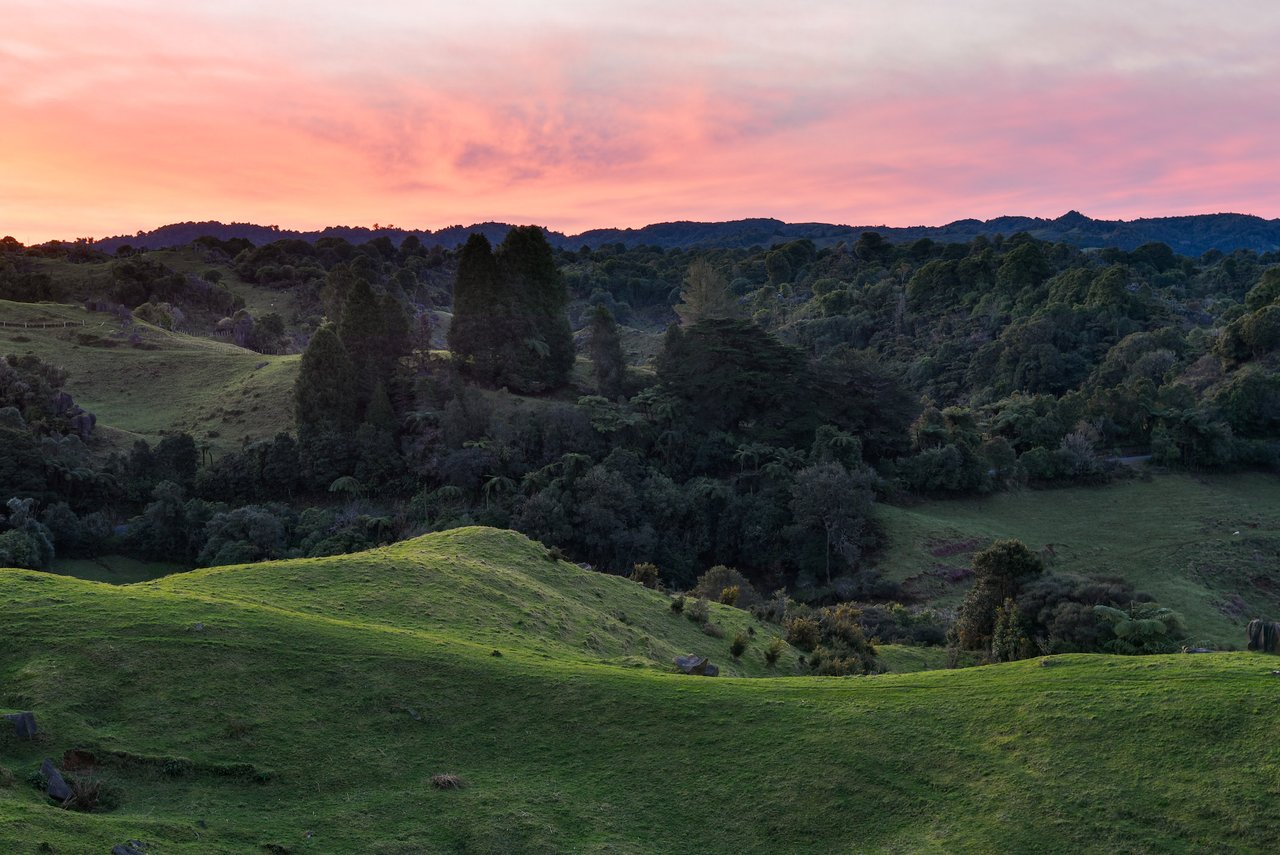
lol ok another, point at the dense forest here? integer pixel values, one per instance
(724, 420)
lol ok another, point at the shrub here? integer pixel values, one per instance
(803, 633)
(729, 596)
(713, 629)
(774, 651)
(713, 583)
(677, 603)
(447, 782)
(646, 574)
(699, 612)
(823, 662)
(738, 646)
(90, 794)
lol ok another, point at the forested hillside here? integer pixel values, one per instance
(742, 411)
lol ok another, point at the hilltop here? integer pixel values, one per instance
(1188, 235)
(303, 706)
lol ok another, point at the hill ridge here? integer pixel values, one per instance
(1191, 234)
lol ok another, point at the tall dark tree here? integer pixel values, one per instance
(509, 323)
(361, 329)
(526, 262)
(480, 334)
(606, 353)
(325, 392)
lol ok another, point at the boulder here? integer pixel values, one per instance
(57, 788)
(130, 847)
(694, 664)
(24, 724)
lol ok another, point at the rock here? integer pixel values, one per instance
(199, 627)
(694, 664)
(129, 847)
(24, 724)
(57, 787)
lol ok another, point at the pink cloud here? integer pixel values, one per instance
(579, 118)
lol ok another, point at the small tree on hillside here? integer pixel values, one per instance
(1000, 571)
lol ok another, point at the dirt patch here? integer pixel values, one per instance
(953, 547)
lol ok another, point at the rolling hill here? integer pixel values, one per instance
(304, 706)
(144, 381)
(1204, 545)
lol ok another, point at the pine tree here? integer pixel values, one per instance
(482, 309)
(509, 323)
(360, 330)
(325, 392)
(528, 264)
(705, 295)
(606, 353)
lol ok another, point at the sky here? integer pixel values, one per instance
(122, 115)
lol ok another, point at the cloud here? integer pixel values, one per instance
(124, 115)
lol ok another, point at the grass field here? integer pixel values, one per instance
(1205, 545)
(303, 706)
(168, 382)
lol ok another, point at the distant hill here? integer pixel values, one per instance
(1191, 235)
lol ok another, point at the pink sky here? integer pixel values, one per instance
(120, 115)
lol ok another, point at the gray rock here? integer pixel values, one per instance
(24, 724)
(57, 788)
(694, 664)
(131, 847)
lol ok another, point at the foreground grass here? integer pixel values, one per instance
(1205, 545)
(342, 716)
(168, 382)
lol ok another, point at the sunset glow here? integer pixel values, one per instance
(120, 116)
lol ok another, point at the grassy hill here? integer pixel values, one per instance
(1205, 545)
(303, 706)
(162, 382)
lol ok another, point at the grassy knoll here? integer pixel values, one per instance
(163, 382)
(1174, 536)
(289, 724)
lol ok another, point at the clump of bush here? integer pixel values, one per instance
(729, 596)
(834, 639)
(448, 782)
(646, 574)
(714, 584)
(90, 794)
(677, 603)
(774, 651)
(738, 646)
(803, 633)
(699, 612)
(713, 629)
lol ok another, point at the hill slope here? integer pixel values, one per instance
(288, 724)
(159, 382)
(1204, 545)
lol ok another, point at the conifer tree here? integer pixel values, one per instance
(606, 353)
(481, 308)
(527, 263)
(324, 394)
(705, 295)
(360, 331)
